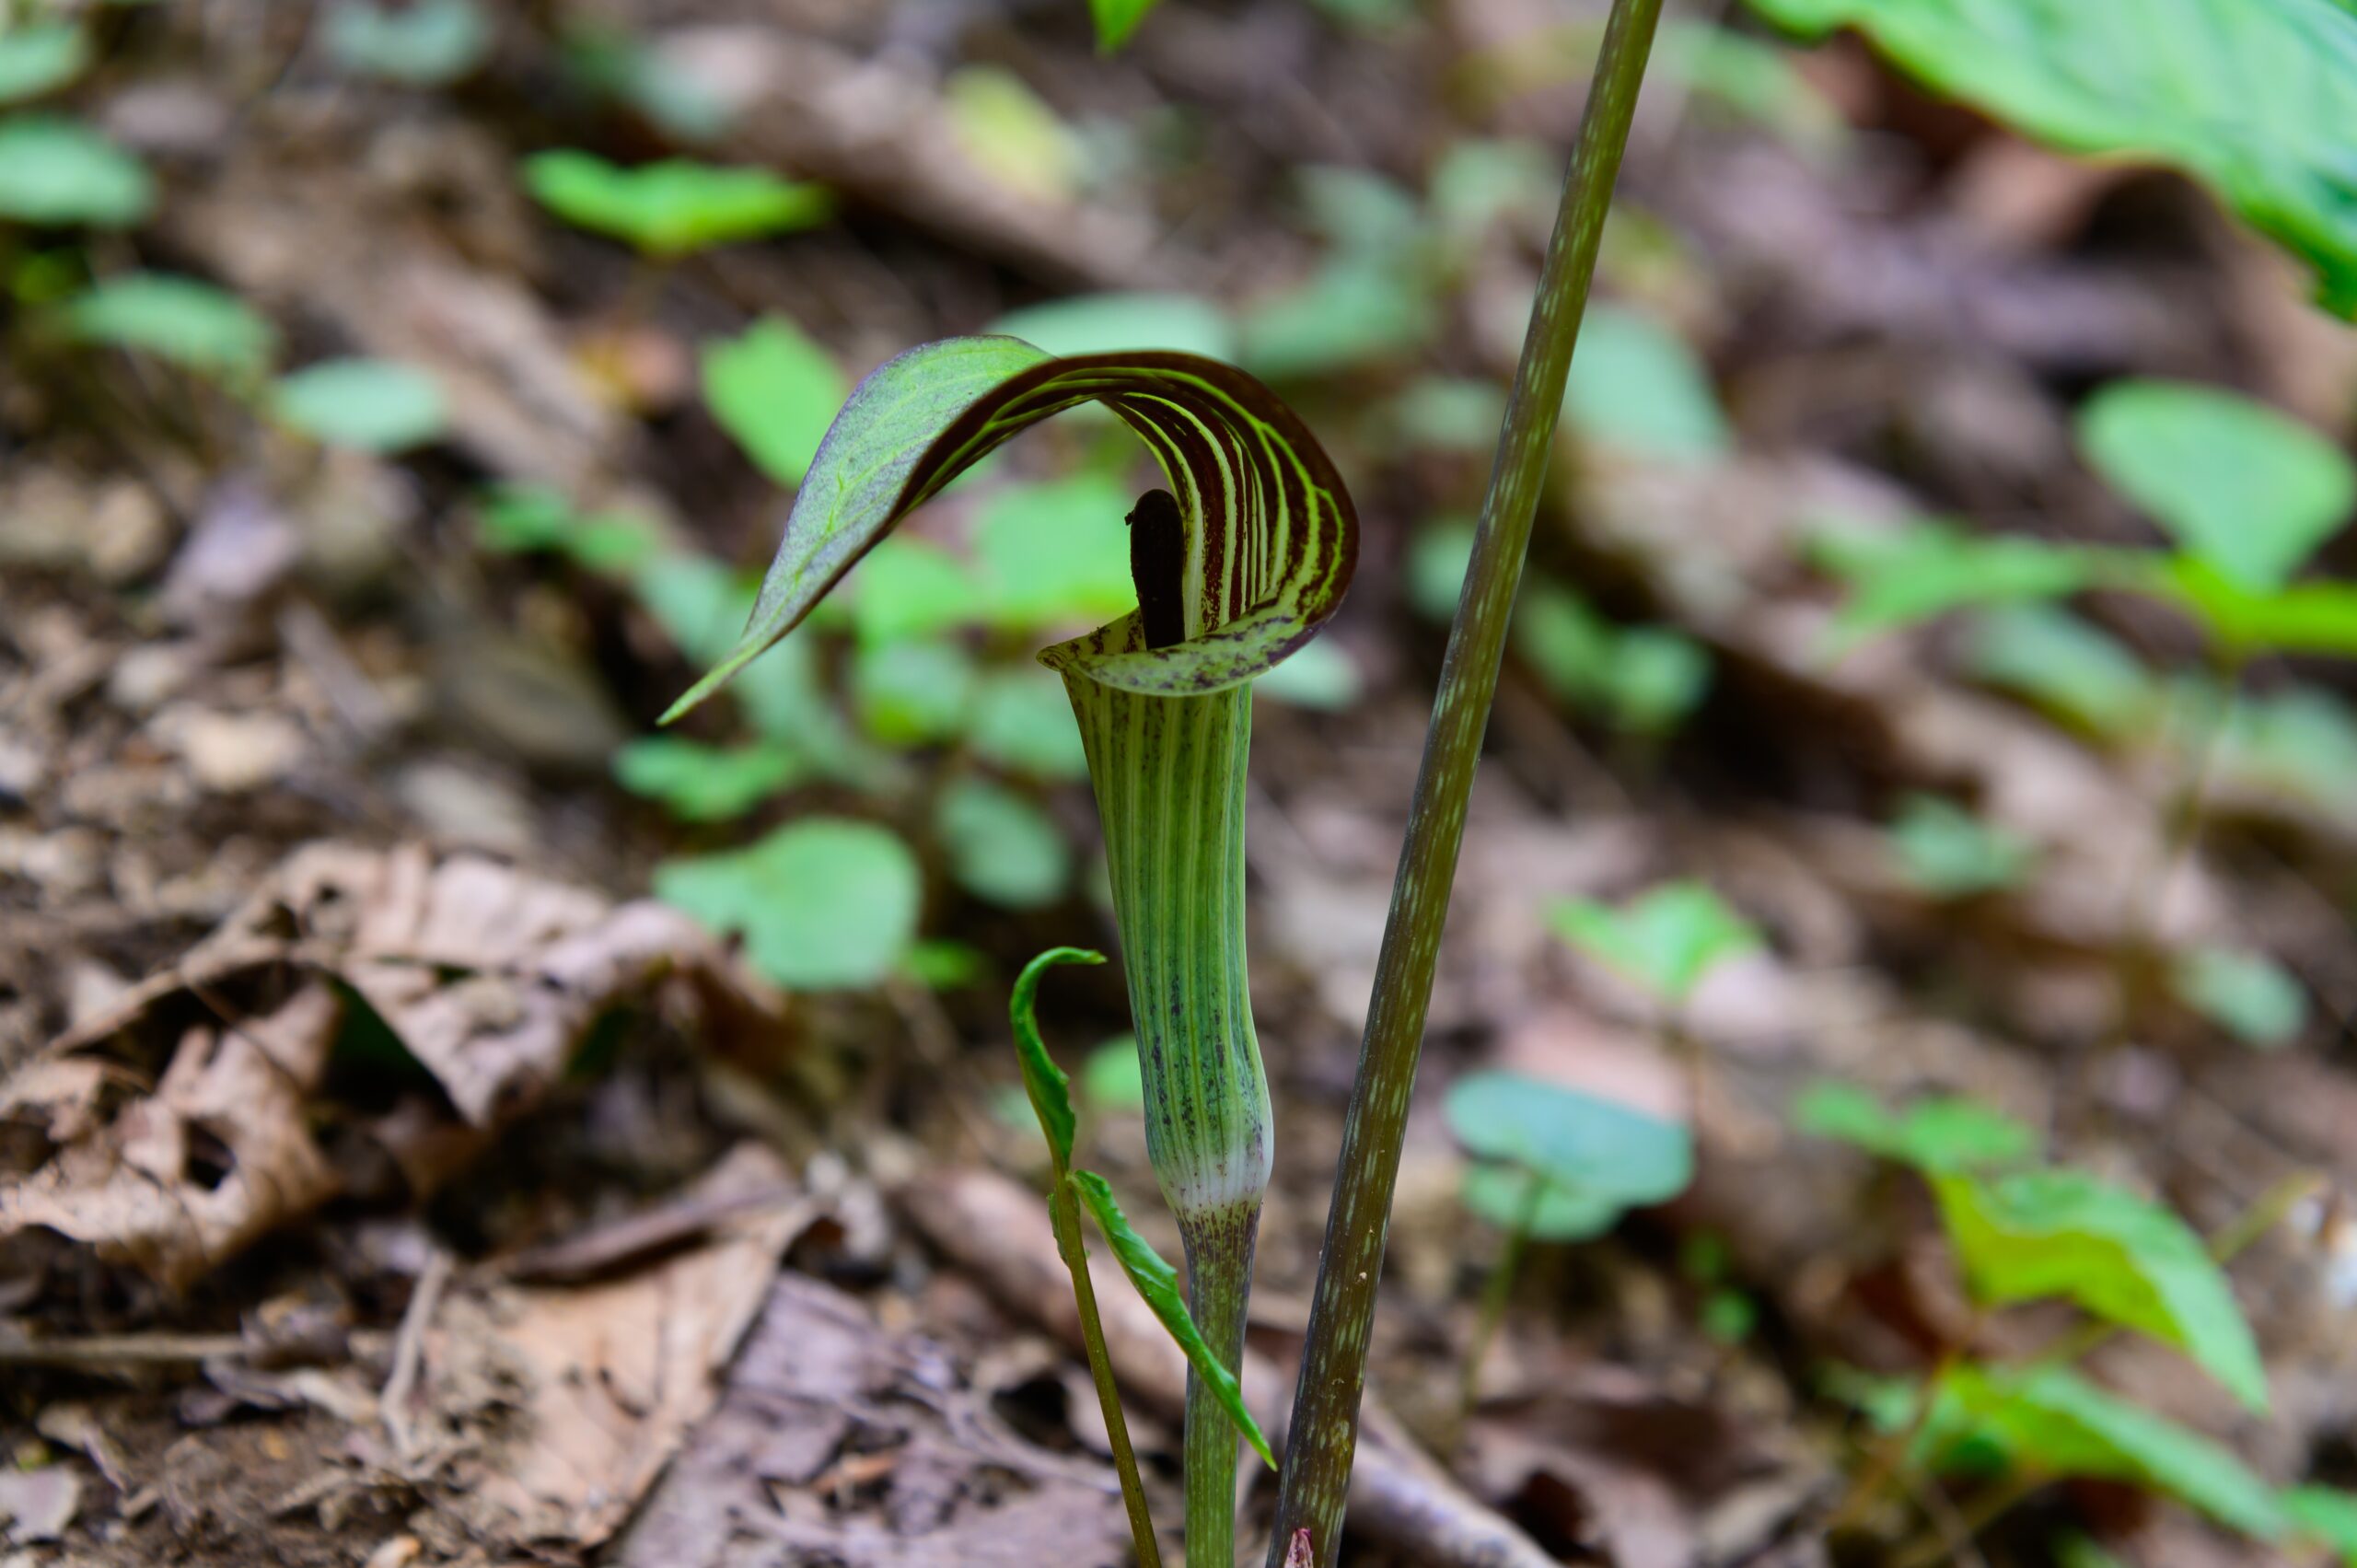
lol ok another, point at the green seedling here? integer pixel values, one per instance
(38, 58)
(776, 391)
(2020, 1233)
(707, 783)
(177, 320)
(2249, 995)
(370, 405)
(1552, 1165)
(427, 43)
(1663, 942)
(2326, 1516)
(824, 904)
(1635, 387)
(2167, 84)
(1942, 850)
(1069, 1191)
(675, 208)
(58, 173)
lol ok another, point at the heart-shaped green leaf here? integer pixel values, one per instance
(1270, 535)
(1158, 1282)
(1666, 941)
(2241, 487)
(2251, 97)
(823, 904)
(1586, 1145)
(2129, 1261)
(774, 391)
(39, 57)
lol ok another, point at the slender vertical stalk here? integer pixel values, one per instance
(1064, 1211)
(1496, 1293)
(1334, 1363)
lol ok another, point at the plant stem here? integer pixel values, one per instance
(1219, 1287)
(1064, 1211)
(1496, 1293)
(1333, 1364)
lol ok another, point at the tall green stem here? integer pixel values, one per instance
(1333, 1364)
(1169, 778)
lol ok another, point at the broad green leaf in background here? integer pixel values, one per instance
(1158, 1282)
(910, 587)
(674, 207)
(2325, 1515)
(2251, 97)
(427, 43)
(1112, 323)
(825, 903)
(370, 405)
(522, 520)
(1352, 313)
(2249, 490)
(1112, 1078)
(942, 963)
(1501, 1195)
(1319, 676)
(705, 783)
(1272, 536)
(2120, 1257)
(1658, 677)
(40, 57)
(1943, 1133)
(1022, 721)
(1635, 386)
(2249, 994)
(2065, 665)
(1567, 645)
(775, 391)
(914, 693)
(2301, 742)
(190, 323)
(2050, 1421)
(1441, 414)
(1945, 851)
(1011, 135)
(1665, 940)
(1044, 1083)
(1904, 576)
(1480, 182)
(1590, 1148)
(56, 172)
(1434, 572)
(1055, 554)
(1002, 847)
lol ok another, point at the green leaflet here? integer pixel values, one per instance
(2063, 1233)
(1169, 777)
(2252, 97)
(1158, 1282)
(1945, 1132)
(1270, 535)
(2050, 1420)
(1666, 941)
(1049, 1088)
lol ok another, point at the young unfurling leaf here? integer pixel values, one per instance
(1158, 1282)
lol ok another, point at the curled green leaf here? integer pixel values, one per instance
(1158, 1282)
(1046, 1083)
(1269, 532)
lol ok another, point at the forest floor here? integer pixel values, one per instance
(390, 1180)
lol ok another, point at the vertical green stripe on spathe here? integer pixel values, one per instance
(1168, 772)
